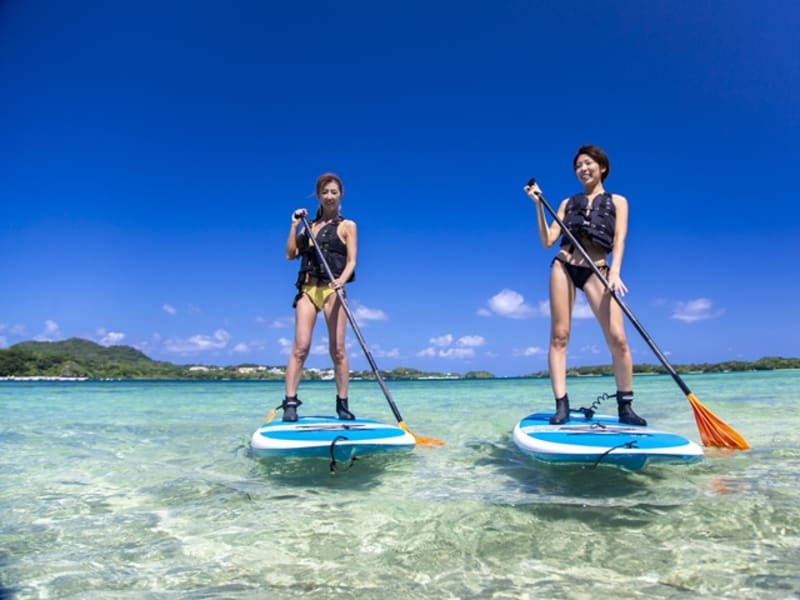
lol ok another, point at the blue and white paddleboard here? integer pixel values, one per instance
(601, 440)
(329, 437)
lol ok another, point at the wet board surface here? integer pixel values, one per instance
(601, 440)
(329, 437)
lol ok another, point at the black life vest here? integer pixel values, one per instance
(333, 249)
(597, 226)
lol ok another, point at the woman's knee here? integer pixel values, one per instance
(559, 338)
(300, 351)
(338, 354)
(617, 343)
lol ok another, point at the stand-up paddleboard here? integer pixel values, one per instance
(329, 437)
(601, 440)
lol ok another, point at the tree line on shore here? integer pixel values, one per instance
(80, 358)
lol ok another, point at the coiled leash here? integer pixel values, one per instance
(589, 412)
(339, 438)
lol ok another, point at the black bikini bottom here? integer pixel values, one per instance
(578, 274)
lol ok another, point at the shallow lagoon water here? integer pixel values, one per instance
(147, 489)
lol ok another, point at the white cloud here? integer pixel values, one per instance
(471, 340)
(379, 352)
(510, 304)
(169, 309)
(456, 353)
(442, 340)
(442, 346)
(529, 351)
(3, 341)
(362, 313)
(699, 309)
(51, 332)
(109, 338)
(198, 343)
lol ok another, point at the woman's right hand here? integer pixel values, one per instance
(534, 193)
(297, 215)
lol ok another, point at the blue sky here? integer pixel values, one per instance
(153, 153)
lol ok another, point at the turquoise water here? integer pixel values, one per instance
(138, 489)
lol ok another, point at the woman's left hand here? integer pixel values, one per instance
(335, 284)
(616, 285)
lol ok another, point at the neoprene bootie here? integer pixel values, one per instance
(625, 411)
(562, 411)
(289, 406)
(342, 410)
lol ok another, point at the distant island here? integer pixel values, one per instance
(77, 358)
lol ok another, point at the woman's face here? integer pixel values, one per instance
(329, 196)
(587, 170)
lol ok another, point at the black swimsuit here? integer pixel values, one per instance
(579, 275)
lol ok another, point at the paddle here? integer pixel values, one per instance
(713, 431)
(424, 441)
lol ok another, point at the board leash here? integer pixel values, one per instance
(627, 445)
(589, 412)
(353, 459)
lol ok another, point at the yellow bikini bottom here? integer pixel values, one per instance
(318, 294)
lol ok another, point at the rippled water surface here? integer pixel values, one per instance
(132, 489)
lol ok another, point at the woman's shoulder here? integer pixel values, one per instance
(346, 227)
(618, 199)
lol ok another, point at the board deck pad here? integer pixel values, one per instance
(601, 440)
(329, 437)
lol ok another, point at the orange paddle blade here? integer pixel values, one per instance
(713, 430)
(270, 415)
(428, 442)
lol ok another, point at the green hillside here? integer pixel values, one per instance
(81, 358)
(77, 357)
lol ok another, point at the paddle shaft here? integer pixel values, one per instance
(353, 324)
(670, 369)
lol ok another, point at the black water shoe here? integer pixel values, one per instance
(625, 411)
(290, 408)
(562, 411)
(342, 410)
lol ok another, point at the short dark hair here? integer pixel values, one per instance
(597, 154)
